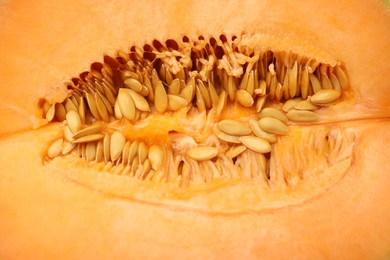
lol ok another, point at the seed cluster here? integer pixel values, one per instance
(206, 75)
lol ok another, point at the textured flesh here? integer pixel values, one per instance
(46, 215)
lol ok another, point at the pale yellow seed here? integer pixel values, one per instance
(273, 112)
(106, 147)
(88, 138)
(233, 127)
(292, 80)
(289, 104)
(69, 105)
(139, 101)
(342, 78)
(202, 153)
(156, 156)
(50, 113)
(244, 98)
(205, 94)
(244, 81)
(236, 151)
(250, 88)
(133, 151)
(302, 116)
(335, 82)
(74, 121)
(305, 83)
(256, 129)
(225, 137)
(176, 102)
(133, 84)
(256, 144)
(68, 135)
(306, 105)
(221, 103)
(161, 99)
(117, 110)
(55, 148)
(93, 129)
(117, 144)
(125, 153)
(213, 94)
(90, 151)
(200, 100)
(326, 84)
(142, 152)
(273, 126)
(174, 87)
(260, 103)
(101, 107)
(99, 152)
(67, 147)
(325, 96)
(126, 104)
(315, 83)
(92, 105)
(188, 93)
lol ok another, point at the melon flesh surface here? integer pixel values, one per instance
(45, 214)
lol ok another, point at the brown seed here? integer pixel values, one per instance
(156, 156)
(244, 98)
(231, 87)
(117, 144)
(176, 102)
(202, 153)
(55, 148)
(161, 98)
(233, 127)
(256, 129)
(93, 129)
(139, 101)
(126, 104)
(342, 78)
(273, 112)
(273, 126)
(236, 151)
(74, 121)
(82, 110)
(325, 96)
(302, 116)
(133, 84)
(256, 144)
(88, 138)
(60, 112)
(148, 85)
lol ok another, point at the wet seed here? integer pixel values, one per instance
(202, 153)
(256, 144)
(139, 101)
(55, 148)
(90, 151)
(273, 112)
(74, 121)
(302, 116)
(244, 98)
(325, 96)
(233, 127)
(94, 129)
(176, 102)
(255, 126)
(117, 144)
(236, 151)
(126, 104)
(273, 126)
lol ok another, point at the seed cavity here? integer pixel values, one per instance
(205, 82)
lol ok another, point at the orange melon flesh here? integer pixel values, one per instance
(44, 214)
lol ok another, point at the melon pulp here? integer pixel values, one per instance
(44, 212)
